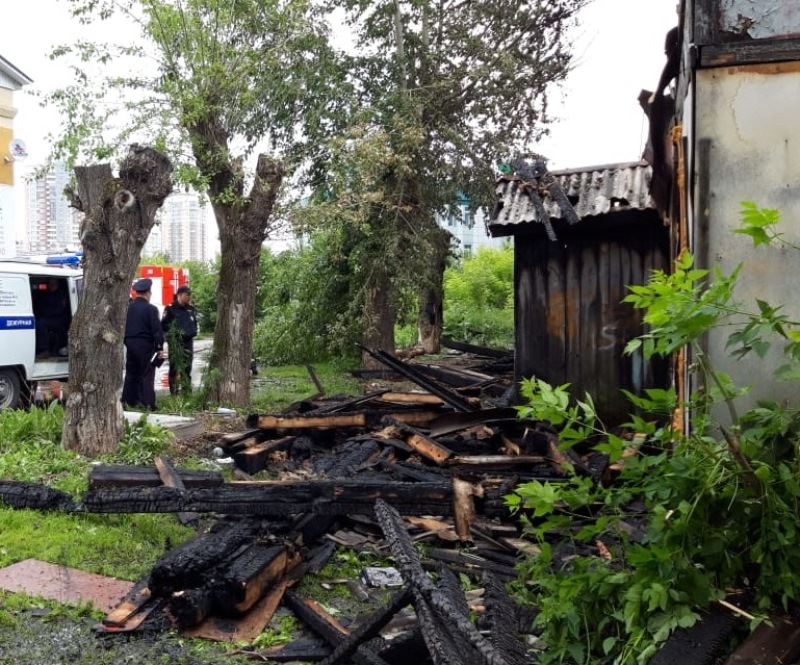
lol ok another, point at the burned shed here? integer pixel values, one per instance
(570, 278)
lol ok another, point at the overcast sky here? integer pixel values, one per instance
(618, 50)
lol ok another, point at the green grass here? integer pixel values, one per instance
(126, 546)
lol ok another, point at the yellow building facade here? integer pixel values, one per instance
(11, 80)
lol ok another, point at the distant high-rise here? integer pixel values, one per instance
(180, 231)
(52, 224)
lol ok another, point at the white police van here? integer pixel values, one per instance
(26, 296)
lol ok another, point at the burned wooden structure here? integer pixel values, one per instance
(364, 478)
(571, 324)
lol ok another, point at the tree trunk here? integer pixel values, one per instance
(242, 231)
(430, 319)
(379, 317)
(119, 214)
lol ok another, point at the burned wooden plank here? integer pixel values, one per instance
(232, 438)
(35, 496)
(277, 498)
(247, 578)
(105, 475)
(328, 628)
(463, 508)
(170, 477)
(369, 628)
(302, 650)
(347, 462)
(495, 462)
(455, 422)
(253, 459)
(477, 350)
(449, 397)
(242, 629)
(410, 398)
(323, 421)
(700, 644)
(775, 644)
(421, 444)
(474, 562)
(133, 602)
(425, 593)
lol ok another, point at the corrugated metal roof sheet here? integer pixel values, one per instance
(592, 191)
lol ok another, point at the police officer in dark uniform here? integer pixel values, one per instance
(179, 324)
(144, 338)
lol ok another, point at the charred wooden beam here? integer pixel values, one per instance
(369, 628)
(448, 396)
(190, 607)
(328, 629)
(20, 494)
(275, 499)
(253, 458)
(699, 644)
(455, 422)
(473, 562)
(346, 405)
(346, 463)
(171, 478)
(502, 619)
(246, 579)
(426, 593)
(410, 398)
(323, 421)
(463, 508)
(421, 444)
(104, 475)
(476, 350)
(187, 565)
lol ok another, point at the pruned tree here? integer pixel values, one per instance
(233, 89)
(119, 213)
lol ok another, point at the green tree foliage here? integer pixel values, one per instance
(443, 89)
(715, 507)
(479, 298)
(307, 310)
(226, 78)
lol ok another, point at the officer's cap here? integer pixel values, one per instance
(142, 285)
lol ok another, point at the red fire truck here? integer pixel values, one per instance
(166, 280)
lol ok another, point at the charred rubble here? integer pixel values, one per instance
(382, 472)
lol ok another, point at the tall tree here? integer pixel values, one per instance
(446, 87)
(227, 78)
(119, 213)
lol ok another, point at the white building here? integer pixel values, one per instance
(181, 229)
(52, 225)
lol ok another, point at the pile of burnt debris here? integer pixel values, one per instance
(382, 472)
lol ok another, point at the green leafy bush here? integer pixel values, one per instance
(692, 514)
(479, 298)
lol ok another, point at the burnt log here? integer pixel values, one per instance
(502, 620)
(275, 499)
(104, 475)
(449, 626)
(35, 496)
